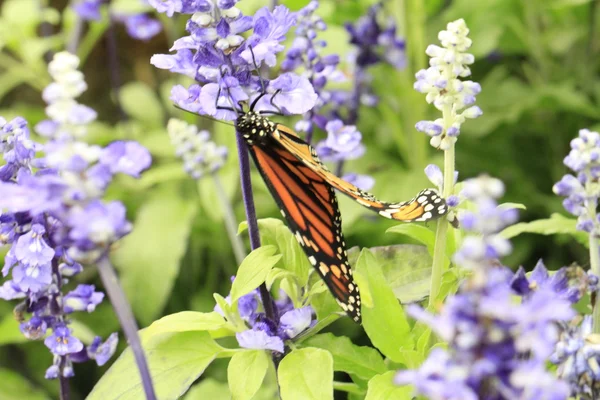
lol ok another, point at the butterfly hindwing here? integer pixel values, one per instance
(310, 208)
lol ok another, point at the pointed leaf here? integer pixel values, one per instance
(382, 387)
(253, 271)
(14, 386)
(556, 224)
(246, 372)
(362, 361)
(175, 361)
(385, 323)
(306, 374)
(149, 257)
(406, 267)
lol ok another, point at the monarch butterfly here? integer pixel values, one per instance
(303, 188)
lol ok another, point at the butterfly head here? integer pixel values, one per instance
(254, 127)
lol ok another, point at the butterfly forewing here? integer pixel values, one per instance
(310, 208)
(425, 206)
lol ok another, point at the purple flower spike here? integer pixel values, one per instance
(83, 298)
(129, 158)
(11, 291)
(295, 94)
(296, 321)
(98, 223)
(31, 249)
(102, 352)
(343, 142)
(142, 27)
(188, 99)
(62, 343)
(269, 31)
(434, 173)
(259, 340)
(89, 9)
(34, 329)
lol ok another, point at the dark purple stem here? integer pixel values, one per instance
(127, 321)
(113, 66)
(251, 217)
(65, 391)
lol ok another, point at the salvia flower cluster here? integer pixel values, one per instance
(441, 83)
(305, 54)
(344, 141)
(55, 218)
(199, 154)
(139, 26)
(581, 188)
(336, 110)
(578, 353)
(225, 64)
(374, 43)
(578, 357)
(258, 331)
(498, 348)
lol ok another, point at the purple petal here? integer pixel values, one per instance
(259, 340)
(129, 158)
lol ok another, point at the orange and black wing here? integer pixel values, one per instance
(426, 205)
(310, 208)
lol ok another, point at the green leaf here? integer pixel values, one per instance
(406, 267)
(186, 321)
(382, 387)
(273, 231)
(385, 323)
(253, 271)
(416, 232)
(9, 331)
(14, 386)
(246, 372)
(149, 257)
(306, 374)
(140, 102)
(175, 361)
(294, 259)
(556, 224)
(509, 206)
(162, 173)
(362, 361)
(209, 388)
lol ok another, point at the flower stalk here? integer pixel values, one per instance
(450, 95)
(253, 231)
(230, 221)
(127, 321)
(582, 191)
(441, 234)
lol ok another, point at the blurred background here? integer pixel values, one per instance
(537, 63)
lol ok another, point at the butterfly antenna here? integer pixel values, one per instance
(273, 103)
(262, 83)
(217, 106)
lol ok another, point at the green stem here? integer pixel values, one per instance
(230, 221)
(595, 266)
(441, 235)
(347, 387)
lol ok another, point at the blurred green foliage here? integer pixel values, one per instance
(537, 62)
